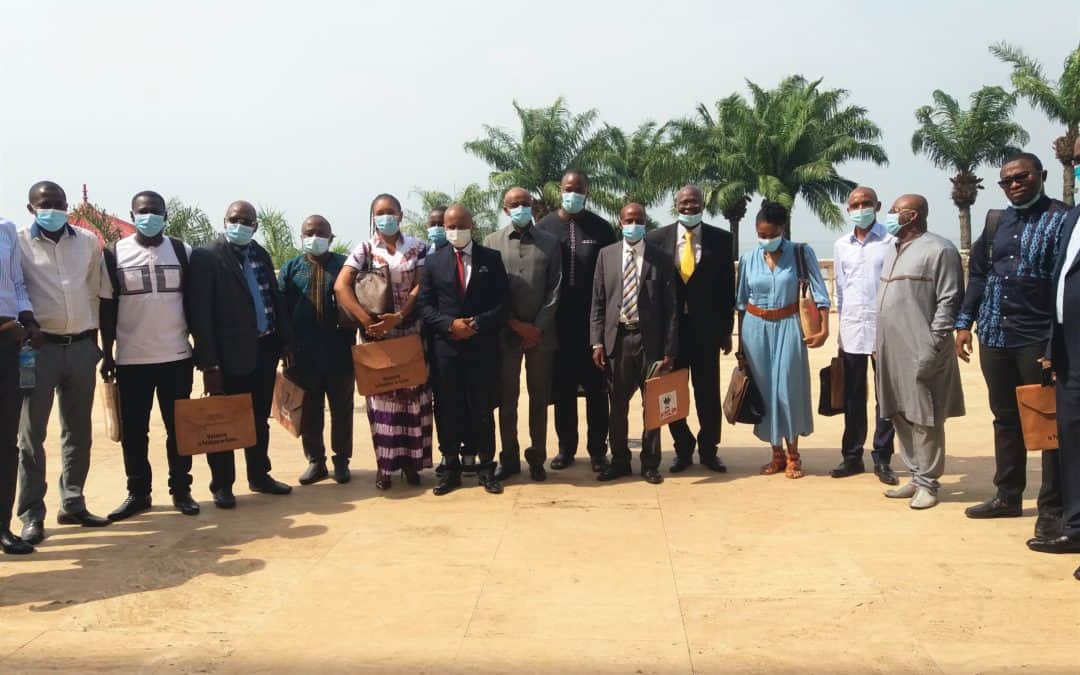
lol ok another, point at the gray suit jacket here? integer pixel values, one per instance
(533, 261)
(657, 302)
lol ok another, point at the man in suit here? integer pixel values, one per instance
(705, 287)
(533, 261)
(633, 322)
(1065, 359)
(241, 328)
(582, 234)
(463, 303)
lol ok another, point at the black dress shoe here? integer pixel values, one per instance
(129, 507)
(84, 518)
(13, 545)
(1062, 544)
(342, 474)
(224, 498)
(613, 471)
(450, 482)
(537, 473)
(504, 472)
(315, 472)
(598, 464)
(33, 532)
(885, 474)
(491, 485)
(269, 486)
(1048, 526)
(995, 508)
(680, 464)
(561, 461)
(185, 504)
(653, 476)
(852, 467)
(714, 464)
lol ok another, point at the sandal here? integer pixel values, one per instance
(382, 481)
(794, 465)
(779, 461)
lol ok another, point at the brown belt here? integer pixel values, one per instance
(773, 314)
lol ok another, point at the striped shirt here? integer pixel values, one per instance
(13, 296)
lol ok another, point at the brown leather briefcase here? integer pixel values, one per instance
(1038, 416)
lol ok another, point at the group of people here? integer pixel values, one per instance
(586, 312)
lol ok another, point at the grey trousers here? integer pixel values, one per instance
(625, 375)
(923, 451)
(69, 373)
(539, 367)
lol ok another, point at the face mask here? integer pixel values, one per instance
(633, 232)
(315, 245)
(862, 218)
(690, 219)
(1030, 202)
(770, 245)
(572, 202)
(436, 234)
(521, 216)
(239, 234)
(459, 238)
(149, 224)
(50, 220)
(892, 224)
(1076, 172)
(387, 224)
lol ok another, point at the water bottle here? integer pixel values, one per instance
(27, 367)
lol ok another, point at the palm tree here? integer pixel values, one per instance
(640, 167)
(189, 224)
(277, 235)
(781, 144)
(1059, 101)
(550, 141)
(480, 201)
(964, 140)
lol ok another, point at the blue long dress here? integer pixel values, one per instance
(775, 350)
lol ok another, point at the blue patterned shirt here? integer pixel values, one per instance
(1010, 298)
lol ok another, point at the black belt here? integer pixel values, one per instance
(68, 339)
(630, 327)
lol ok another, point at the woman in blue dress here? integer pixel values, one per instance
(771, 342)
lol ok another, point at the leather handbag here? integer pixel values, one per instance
(809, 314)
(1038, 414)
(373, 291)
(831, 395)
(743, 402)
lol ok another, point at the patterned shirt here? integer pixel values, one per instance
(1010, 298)
(258, 276)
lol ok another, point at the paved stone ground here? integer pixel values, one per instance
(705, 573)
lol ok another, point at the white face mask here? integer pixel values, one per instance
(459, 238)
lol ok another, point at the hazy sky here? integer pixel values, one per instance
(315, 106)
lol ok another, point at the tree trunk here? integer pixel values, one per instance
(965, 228)
(733, 225)
(1063, 150)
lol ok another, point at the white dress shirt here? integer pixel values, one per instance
(695, 241)
(857, 269)
(1071, 252)
(63, 279)
(638, 250)
(13, 296)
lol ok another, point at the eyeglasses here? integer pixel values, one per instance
(1018, 178)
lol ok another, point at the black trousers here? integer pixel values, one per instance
(855, 425)
(574, 368)
(466, 396)
(10, 405)
(1004, 371)
(703, 360)
(625, 375)
(138, 384)
(335, 388)
(1068, 455)
(260, 384)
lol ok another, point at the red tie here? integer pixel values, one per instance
(460, 272)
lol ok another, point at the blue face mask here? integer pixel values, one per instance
(1076, 172)
(633, 232)
(436, 234)
(892, 223)
(862, 218)
(573, 202)
(315, 245)
(690, 219)
(387, 224)
(149, 224)
(770, 245)
(521, 216)
(239, 234)
(50, 220)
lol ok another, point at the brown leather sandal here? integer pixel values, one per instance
(779, 461)
(794, 465)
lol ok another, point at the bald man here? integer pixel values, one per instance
(323, 350)
(462, 300)
(241, 329)
(918, 379)
(857, 259)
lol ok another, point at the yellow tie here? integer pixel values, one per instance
(686, 261)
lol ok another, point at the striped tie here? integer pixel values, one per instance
(630, 289)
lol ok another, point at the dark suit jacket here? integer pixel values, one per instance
(1064, 348)
(657, 315)
(223, 313)
(709, 296)
(485, 299)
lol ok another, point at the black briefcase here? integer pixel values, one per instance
(831, 396)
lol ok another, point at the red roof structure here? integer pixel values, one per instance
(81, 214)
